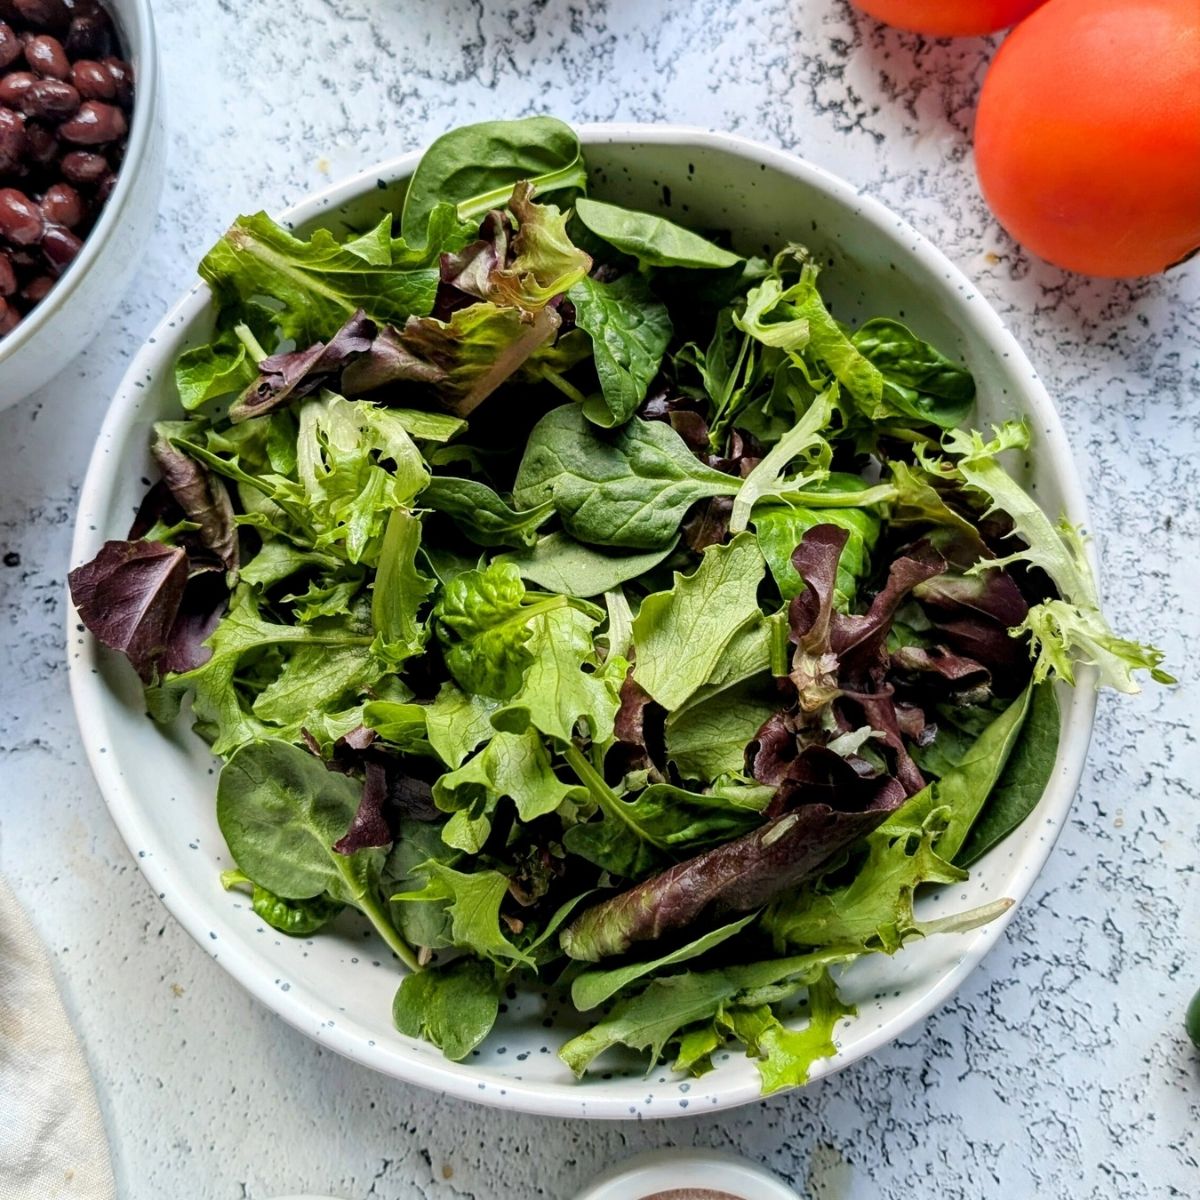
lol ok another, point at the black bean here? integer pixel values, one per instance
(89, 37)
(105, 186)
(93, 80)
(20, 219)
(47, 57)
(122, 75)
(12, 139)
(53, 99)
(53, 15)
(10, 45)
(94, 124)
(37, 288)
(9, 318)
(62, 205)
(64, 99)
(80, 166)
(60, 246)
(41, 145)
(14, 86)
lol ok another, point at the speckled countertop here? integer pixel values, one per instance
(1061, 1068)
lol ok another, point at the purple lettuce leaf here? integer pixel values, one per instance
(370, 825)
(859, 641)
(286, 377)
(202, 497)
(129, 596)
(739, 876)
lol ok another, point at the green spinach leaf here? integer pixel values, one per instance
(629, 490)
(652, 240)
(630, 330)
(454, 1007)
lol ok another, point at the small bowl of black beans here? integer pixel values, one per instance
(81, 155)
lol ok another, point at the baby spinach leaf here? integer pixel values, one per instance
(630, 330)
(318, 283)
(454, 1006)
(475, 168)
(560, 564)
(919, 381)
(422, 923)
(629, 490)
(280, 812)
(482, 515)
(592, 988)
(652, 240)
(1023, 779)
(681, 634)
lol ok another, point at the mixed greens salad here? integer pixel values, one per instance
(582, 601)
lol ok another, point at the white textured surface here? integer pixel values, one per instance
(1061, 1068)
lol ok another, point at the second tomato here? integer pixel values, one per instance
(949, 18)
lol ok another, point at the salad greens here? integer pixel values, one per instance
(583, 602)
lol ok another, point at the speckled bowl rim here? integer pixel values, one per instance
(302, 1009)
(141, 129)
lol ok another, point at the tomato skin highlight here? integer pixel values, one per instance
(949, 18)
(1087, 138)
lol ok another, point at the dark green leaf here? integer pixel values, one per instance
(630, 490)
(454, 1007)
(475, 168)
(1023, 780)
(630, 330)
(652, 240)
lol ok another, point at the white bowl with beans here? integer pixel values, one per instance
(81, 164)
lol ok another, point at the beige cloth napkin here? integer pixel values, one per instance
(52, 1141)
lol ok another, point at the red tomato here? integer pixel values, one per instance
(949, 18)
(1087, 139)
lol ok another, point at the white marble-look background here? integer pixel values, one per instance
(1061, 1069)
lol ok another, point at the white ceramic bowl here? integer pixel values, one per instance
(63, 324)
(687, 1175)
(338, 987)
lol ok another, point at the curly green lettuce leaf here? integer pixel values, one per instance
(1070, 629)
(473, 902)
(512, 765)
(681, 634)
(566, 685)
(320, 282)
(399, 591)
